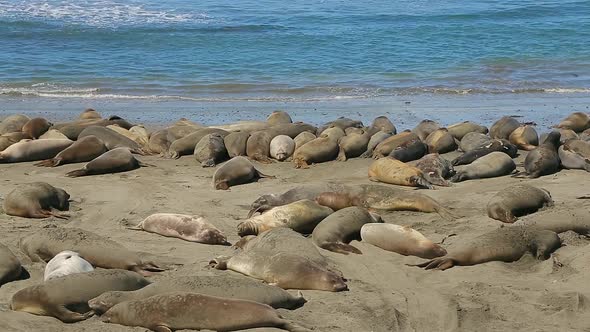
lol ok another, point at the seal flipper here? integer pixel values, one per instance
(160, 328)
(341, 248)
(48, 163)
(147, 269)
(77, 173)
(292, 327)
(441, 263)
(67, 316)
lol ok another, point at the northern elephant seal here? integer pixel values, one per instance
(353, 145)
(180, 310)
(36, 127)
(459, 130)
(425, 128)
(382, 123)
(282, 147)
(89, 113)
(335, 133)
(440, 141)
(277, 117)
(10, 266)
(85, 149)
(491, 165)
(301, 216)
(389, 144)
(335, 232)
(9, 139)
(143, 136)
(518, 200)
(53, 134)
(319, 150)
(113, 161)
(60, 296)
(579, 146)
(375, 139)
(159, 142)
(258, 145)
(186, 145)
(303, 138)
(577, 121)
(141, 140)
(99, 251)
(473, 140)
(235, 143)
(393, 171)
(65, 263)
(543, 160)
(500, 145)
(210, 150)
(341, 123)
(410, 150)
(13, 123)
(189, 228)
(504, 127)
(506, 244)
(33, 150)
(401, 239)
(245, 126)
(112, 139)
(571, 159)
(238, 170)
(525, 137)
(267, 202)
(36, 200)
(435, 169)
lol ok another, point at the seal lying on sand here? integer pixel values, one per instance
(66, 298)
(393, 171)
(65, 263)
(435, 168)
(571, 159)
(338, 229)
(179, 311)
(84, 149)
(459, 130)
(491, 165)
(13, 123)
(113, 139)
(525, 137)
(10, 267)
(506, 244)
(113, 161)
(516, 201)
(35, 200)
(504, 127)
(319, 150)
(401, 239)
(577, 121)
(219, 285)
(500, 145)
(543, 160)
(238, 170)
(29, 150)
(36, 127)
(97, 250)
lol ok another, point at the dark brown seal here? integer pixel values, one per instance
(238, 170)
(112, 139)
(113, 161)
(335, 232)
(84, 149)
(544, 160)
(10, 267)
(518, 200)
(36, 200)
(236, 142)
(504, 127)
(36, 127)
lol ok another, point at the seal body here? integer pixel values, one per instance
(383, 124)
(186, 145)
(410, 150)
(235, 143)
(401, 239)
(277, 117)
(341, 123)
(89, 113)
(303, 138)
(375, 139)
(10, 267)
(473, 140)
(516, 201)
(189, 228)
(440, 141)
(36, 127)
(393, 171)
(579, 146)
(500, 145)
(141, 140)
(268, 201)
(112, 139)
(65, 263)
(85, 149)
(28, 150)
(544, 159)
(282, 147)
(525, 137)
(572, 160)
(35, 200)
(319, 150)
(9, 139)
(335, 133)
(425, 128)
(238, 170)
(53, 134)
(353, 145)
(113, 161)
(577, 121)
(258, 145)
(159, 142)
(504, 127)
(491, 165)
(210, 150)
(435, 168)
(338, 229)
(459, 130)
(389, 144)
(13, 123)
(58, 296)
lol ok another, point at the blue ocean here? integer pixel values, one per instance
(291, 50)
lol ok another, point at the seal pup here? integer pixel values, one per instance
(491, 165)
(518, 200)
(178, 311)
(410, 150)
(10, 267)
(507, 244)
(572, 160)
(504, 127)
(99, 251)
(393, 171)
(282, 147)
(33, 150)
(524, 137)
(221, 285)
(57, 297)
(335, 232)
(577, 121)
(36, 200)
(440, 141)
(85, 149)
(425, 128)
(238, 170)
(65, 263)
(36, 127)
(278, 117)
(500, 145)
(13, 123)
(235, 143)
(401, 239)
(543, 160)
(301, 216)
(459, 130)
(375, 139)
(435, 168)
(182, 226)
(113, 161)
(210, 150)
(319, 150)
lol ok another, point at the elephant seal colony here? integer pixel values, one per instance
(330, 226)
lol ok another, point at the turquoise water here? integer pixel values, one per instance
(291, 50)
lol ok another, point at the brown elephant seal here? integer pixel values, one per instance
(238, 170)
(474, 140)
(186, 145)
(181, 226)
(341, 123)
(99, 251)
(141, 140)
(282, 147)
(159, 142)
(352, 130)
(210, 150)
(9, 139)
(393, 171)
(410, 150)
(459, 130)
(246, 126)
(566, 135)
(335, 232)
(141, 131)
(504, 127)
(577, 121)
(321, 149)
(516, 201)
(88, 114)
(525, 137)
(53, 134)
(65, 263)
(113, 161)
(112, 139)
(33, 150)
(401, 239)
(278, 117)
(36, 127)
(303, 138)
(435, 168)
(258, 146)
(543, 160)
(353, 145)
(500, 145)
(507, 244)
(13, 123)
(85, 149)
(180, 311)
(440, 141)
(425, 128)
(73, 129)
(218, 285)
(301, 216)
(35, 200)
(579, 146)
(339, 200)
(375, 139)
(382, 123)
(559, 221)
(292, 129)
(389, 144)
(66, 298)
(335, 133)
(572, 160)
(10, 267)
(269, 201)
(491, 165)
(235, 143)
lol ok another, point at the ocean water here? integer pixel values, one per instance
(276, 50)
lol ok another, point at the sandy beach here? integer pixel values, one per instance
(384, 293)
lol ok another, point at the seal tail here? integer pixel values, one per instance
(147, 269)
(48, 163)
(263, 176)
(136, 228)
(77, 173)
(341, 248)
(520, 175)
(292, 327)
(441, 263)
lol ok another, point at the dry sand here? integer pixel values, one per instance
(385, 294)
